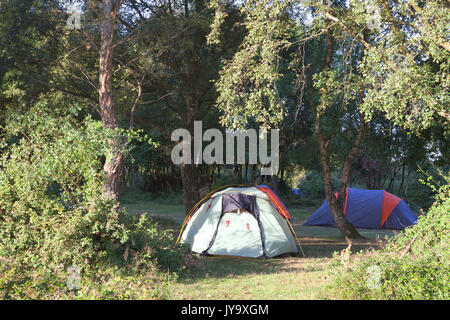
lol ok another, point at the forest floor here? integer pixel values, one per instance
(302, 277)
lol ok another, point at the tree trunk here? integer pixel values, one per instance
(347, 229)
(113, 167)
(403, 179)
(395, 170)
(281, 182)
(336, 205)
(190, 178)
(405, 192)
(254, 173)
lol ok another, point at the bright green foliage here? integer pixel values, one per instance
(408, 73)
(404, 71)
(406, 66)
(51, 155)
(53, 215)
(247, 86)
(423, 272)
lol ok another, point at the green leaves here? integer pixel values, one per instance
(406, 68)
(248, 83)
(422, 272)
(53, 213)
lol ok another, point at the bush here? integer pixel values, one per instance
(420, 194)
(312, 186)
(295, 200)
(53, 216)
(413, 265)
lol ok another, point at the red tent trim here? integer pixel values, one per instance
(389, 203)
(276, 201)
(346, 198)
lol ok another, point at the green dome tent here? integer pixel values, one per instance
(246, 222)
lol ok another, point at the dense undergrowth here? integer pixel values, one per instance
(415, 264)
(59, 238)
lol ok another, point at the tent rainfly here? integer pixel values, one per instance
(371, 209)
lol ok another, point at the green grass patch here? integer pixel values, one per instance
(301, 213)
(239, 278)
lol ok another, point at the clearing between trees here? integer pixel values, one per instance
(245, 278)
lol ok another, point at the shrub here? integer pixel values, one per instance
(420, 192)
(413, 265)
(312, 186)
(53, 215)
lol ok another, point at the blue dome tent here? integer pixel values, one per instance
(371, 209)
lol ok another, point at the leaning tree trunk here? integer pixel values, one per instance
(113, 167)
(336, 204)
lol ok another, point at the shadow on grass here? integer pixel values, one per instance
(230, 267)
(317, 254)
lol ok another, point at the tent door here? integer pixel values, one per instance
(238, 233)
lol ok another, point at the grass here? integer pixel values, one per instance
(168, 207)
(301, 213)
(237, 278)
(248, 279)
